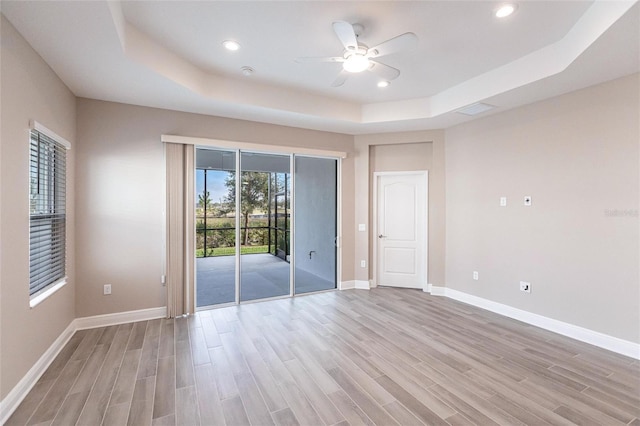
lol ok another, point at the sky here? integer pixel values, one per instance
(215, 184)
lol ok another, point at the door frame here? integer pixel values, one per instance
(374, 229)
(292, 154)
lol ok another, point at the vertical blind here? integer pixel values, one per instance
(181, 231)
(47, 201)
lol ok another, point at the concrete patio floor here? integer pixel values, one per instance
(262, 276)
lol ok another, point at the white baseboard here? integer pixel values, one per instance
(357, 284)
(120, 318)
(9, 404)
(614, 344)
(347, 285)
(428, 288)
(362, 285)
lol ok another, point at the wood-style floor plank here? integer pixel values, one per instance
(71, 408)
(164, 401)
(150, 346)
(116, 415)
(234, 412)
(141, 410)
(52, 402)
(299, 404)
(209, 404)
(285, 417)
(222, 374)
(187, 411)
(360, 397)
(256, 408)
(98, 400)
(266, 382)
(126, 381)
(319, 400)
(349, 409)
(378, 357)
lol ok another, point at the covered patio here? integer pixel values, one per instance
(262, 276)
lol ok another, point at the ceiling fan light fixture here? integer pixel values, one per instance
(356, 63)
(358, 57)
(231, 45)
(505, 10)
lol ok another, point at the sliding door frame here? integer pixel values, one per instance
(239, 148)
(337, 218)
(238, 195)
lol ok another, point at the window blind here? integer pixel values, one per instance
(47, 203)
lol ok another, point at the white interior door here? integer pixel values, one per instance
(401, 229)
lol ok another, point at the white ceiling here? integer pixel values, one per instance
(169, 54)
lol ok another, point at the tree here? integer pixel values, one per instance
(254, 196)
(204, 200)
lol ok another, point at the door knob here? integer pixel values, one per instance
(382, 236)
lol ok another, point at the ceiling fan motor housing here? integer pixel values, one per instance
(360, 50)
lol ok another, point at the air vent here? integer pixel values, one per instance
(475, 109)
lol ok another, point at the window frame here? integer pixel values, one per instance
(59, 143)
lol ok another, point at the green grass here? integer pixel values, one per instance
(230, 251)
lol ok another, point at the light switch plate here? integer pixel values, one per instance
(362, 227)
(527, 200)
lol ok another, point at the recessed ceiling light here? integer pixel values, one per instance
(505, 10)
(383, 83)
(231, 45)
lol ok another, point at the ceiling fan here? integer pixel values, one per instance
(358, 57)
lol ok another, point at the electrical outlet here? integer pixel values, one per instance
(476, 275)
(107, 289)
(525, 286)
(503, 201)
(363, 263)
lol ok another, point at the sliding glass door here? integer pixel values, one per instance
(265, 221)
(261, 230)
(315, 224)
(215, 227)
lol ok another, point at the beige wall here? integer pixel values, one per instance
(400, 157)
(120, 195)
(577, 157)
(30, 91)
(400, 152)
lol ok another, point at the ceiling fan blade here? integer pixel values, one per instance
(384, 71)
(346, 34)
(342, 77)
(320, 59)
(402, 42)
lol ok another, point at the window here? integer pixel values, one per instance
(47, 217)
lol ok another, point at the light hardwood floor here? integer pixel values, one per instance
(384, 357)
